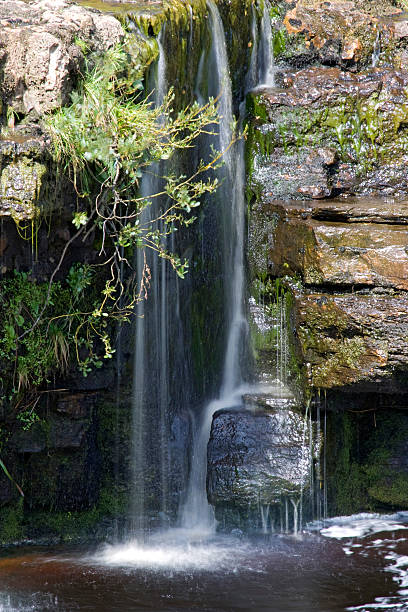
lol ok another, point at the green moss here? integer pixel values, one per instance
(279, 43)
(20, 187)
(11, 523)
(347, 483)
(389, 489)
(336, 360)
(387, 479)
(342, 363)
(297, 366)
(366, 460)
(72, 526)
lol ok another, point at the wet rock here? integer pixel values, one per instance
(23, 174)
(353, 339)
(360, 117)
(77, 405)
(33, 440)
(263, 325)
(341, 242)
(346, 32)
(331, 253)
(20, 186)
(256, 458)
(295, 175)
(350, 333)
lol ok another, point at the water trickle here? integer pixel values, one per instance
(376, 50)
(266, 68)
(264, 517)
(325, 511)
(190, 38)
(295, 504)
(282, 347)
(252, 76)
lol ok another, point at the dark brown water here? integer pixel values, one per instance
(347, 568)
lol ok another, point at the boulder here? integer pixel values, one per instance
(257, 457)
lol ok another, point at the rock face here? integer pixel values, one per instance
(256, 458)
(40, 46)
(346, 32)
(330, 132)
(328, 183)
(336, 132)
(351, 34)
(350, 315)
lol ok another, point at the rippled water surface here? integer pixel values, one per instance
(353, 563)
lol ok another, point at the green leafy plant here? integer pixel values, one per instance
(105, 140)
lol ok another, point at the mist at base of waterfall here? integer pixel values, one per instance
(178, 550)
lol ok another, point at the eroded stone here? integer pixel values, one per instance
(40, 57)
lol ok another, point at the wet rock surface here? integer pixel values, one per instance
(333, 131)
(329, 132)
(256, 458)
(358, 338)
(346, 32)
(351, 34)
(349, 305)
(327, 167)
(340, 243)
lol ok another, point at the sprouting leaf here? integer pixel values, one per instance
(80, 218)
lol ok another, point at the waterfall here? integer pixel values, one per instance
(252, 76)
(151, 343)
(156, 315)
(197, 513)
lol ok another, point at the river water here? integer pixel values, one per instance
(351, 563)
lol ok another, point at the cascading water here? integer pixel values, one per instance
(156, 396)
(152, 328)
(197, 513)
(261, 72)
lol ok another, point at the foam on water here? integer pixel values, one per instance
(34, 603)
(360, 525)
(364, 526)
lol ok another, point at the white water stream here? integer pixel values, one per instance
(197, 514)
(266, 70)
